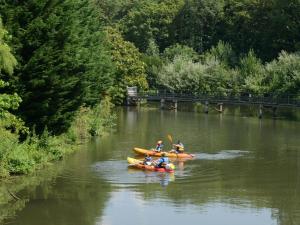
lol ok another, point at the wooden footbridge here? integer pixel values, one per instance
(163, 96)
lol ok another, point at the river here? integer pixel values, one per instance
(246, 171)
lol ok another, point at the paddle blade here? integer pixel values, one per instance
(170, 138)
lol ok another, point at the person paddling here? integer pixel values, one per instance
(163, 161)
(159, 146)
(179, 147)
(148, 160)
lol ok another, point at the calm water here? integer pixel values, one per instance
(246, 171)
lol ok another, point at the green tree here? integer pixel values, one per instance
(63, 61)
(210, 77)
(114, 10)
(196, 25)
(252, 74)
(151, 20)
(173, 51)
(7, 101)
(10, 125)
(266, 26)
(130, 69)
(283, 75)
(222, 52)
(7, 61)
(153, 63)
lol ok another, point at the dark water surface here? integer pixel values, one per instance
(246, 171)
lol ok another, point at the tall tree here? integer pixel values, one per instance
(266, 26)
(283, 75)
(63, 61)
(151, 20)
(130, 69)
(7, 60)
(115, 10)
(7, 101)
(196, 24)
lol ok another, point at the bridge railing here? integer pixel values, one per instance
(288, 100)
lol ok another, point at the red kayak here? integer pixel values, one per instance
(139, 165)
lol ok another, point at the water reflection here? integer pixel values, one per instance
(132, 208)
(16, 192)
(155, 177)
(72, 196)
(246, 171)
(120, 175)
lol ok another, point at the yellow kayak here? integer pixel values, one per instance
(133, 161)
(139, 165)
(158, 154)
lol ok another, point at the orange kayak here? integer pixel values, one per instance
(158, 154)
(139, 165)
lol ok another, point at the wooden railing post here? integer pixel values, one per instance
(260, 111)
(274, 111)
(206, 107)
(162, 103)
(175, 104)
(220, 107)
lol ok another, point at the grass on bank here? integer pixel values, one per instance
(17, 158)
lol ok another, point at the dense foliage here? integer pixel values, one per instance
(267, 26)
(63, 63)
(7, 101)
(210, 77)
(130, 70)
(240, 41)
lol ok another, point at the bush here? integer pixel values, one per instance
(19, 161)
(92, 121)
(209, 77)
(178, 50)
(222, 52)
(283, 74)
(252, 75)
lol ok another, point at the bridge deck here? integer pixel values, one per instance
(289, 101)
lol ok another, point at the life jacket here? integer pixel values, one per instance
(162, 161)
(159, 147)
(179, 148)
(148, 158)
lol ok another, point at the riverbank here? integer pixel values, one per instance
(32, 156)
(15, 191)
(19, 158)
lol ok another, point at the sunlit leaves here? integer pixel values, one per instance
(151, 20)
(127, 58)
(184, 75)
(7, 60)
(63, 59)
(284, 74)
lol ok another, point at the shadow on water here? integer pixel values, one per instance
(65, 193)
(17, 191)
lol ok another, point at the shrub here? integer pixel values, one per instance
(209, 77)
(252, 74)
(19, 161)
(283, 74)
